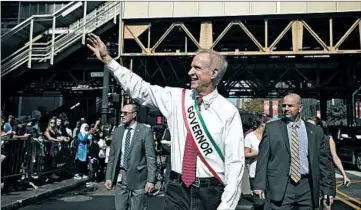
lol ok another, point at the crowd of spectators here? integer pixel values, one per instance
(48, 151)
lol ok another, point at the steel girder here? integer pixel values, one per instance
(268, 55)
(160, 52)
(276, 35)
(258, 78)
(71, 81)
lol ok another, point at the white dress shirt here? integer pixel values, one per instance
(130, 142)
(221, 118)
(251, 141)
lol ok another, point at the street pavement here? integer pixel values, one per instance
(350, 197)
(72, 194)
(96, 198)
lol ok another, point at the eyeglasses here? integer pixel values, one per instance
(126, 113)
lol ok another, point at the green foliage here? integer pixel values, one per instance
(337, 114)
(254, 105)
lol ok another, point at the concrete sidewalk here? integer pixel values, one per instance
(18, 199)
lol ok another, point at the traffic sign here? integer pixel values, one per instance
(96, 74)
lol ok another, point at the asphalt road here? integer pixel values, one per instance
(99, 198)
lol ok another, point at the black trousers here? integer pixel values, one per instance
(205, 197)
(81, 167)
(297, 196)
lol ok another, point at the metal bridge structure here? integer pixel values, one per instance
(273, 48)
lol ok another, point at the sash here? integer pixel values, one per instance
(207, 149)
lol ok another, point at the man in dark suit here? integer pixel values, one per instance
(292, 161)
(131, 164)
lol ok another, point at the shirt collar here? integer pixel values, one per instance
(208, 99)
(298, 123)
(132, 126)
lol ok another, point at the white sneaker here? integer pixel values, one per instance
(85, 177)
(77, 177)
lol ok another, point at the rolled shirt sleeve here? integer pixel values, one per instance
(234, 162)
(142, 92)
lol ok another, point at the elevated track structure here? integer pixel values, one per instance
(273, 48)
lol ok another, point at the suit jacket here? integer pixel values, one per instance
(274, 161)
(141, 166)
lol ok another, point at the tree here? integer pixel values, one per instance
(337, 114)
(254, 105)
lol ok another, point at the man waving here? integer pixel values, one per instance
(207, 159)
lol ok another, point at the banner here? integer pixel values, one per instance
(275, 108)
(159, 120)
(266, 106)
(358, 109)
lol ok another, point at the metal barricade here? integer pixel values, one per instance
(50, 157)
(15, 151)
(29, 158)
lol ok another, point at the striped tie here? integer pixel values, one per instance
(295, 156)
(126, 149)
(190, 158)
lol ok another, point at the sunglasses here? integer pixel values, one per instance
(286, 105)
(126, 113)
(52, 122)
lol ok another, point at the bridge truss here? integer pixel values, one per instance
(268, 56)
(316, 55)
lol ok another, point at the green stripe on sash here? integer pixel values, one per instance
(206, 131)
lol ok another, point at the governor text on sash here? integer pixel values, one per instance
(198, 133)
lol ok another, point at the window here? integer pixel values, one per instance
(9, 10)
(42, 8)
(58, 6)
(33, 9)
(24, 11)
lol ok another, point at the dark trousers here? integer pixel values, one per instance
(102, 166)
(81, 167)
(258, 204)
(93, 166)
(205, 197)
(297, 195)
(126, 199)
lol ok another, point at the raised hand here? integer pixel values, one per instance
(98, 47)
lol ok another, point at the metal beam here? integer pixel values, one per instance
(206, 35)
(246, 53)
(297, 36)
(281, 35)
(190, 35)
(250, 35)
(348, 32)
(207, 30)
(314, 34)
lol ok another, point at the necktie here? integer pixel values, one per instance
(126, 149)
(190, 158)
(295, 156)
(199, 101)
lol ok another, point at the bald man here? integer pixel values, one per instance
(292, 161)
(207, 156)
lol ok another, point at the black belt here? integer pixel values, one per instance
(303, 176)
(199, 182)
